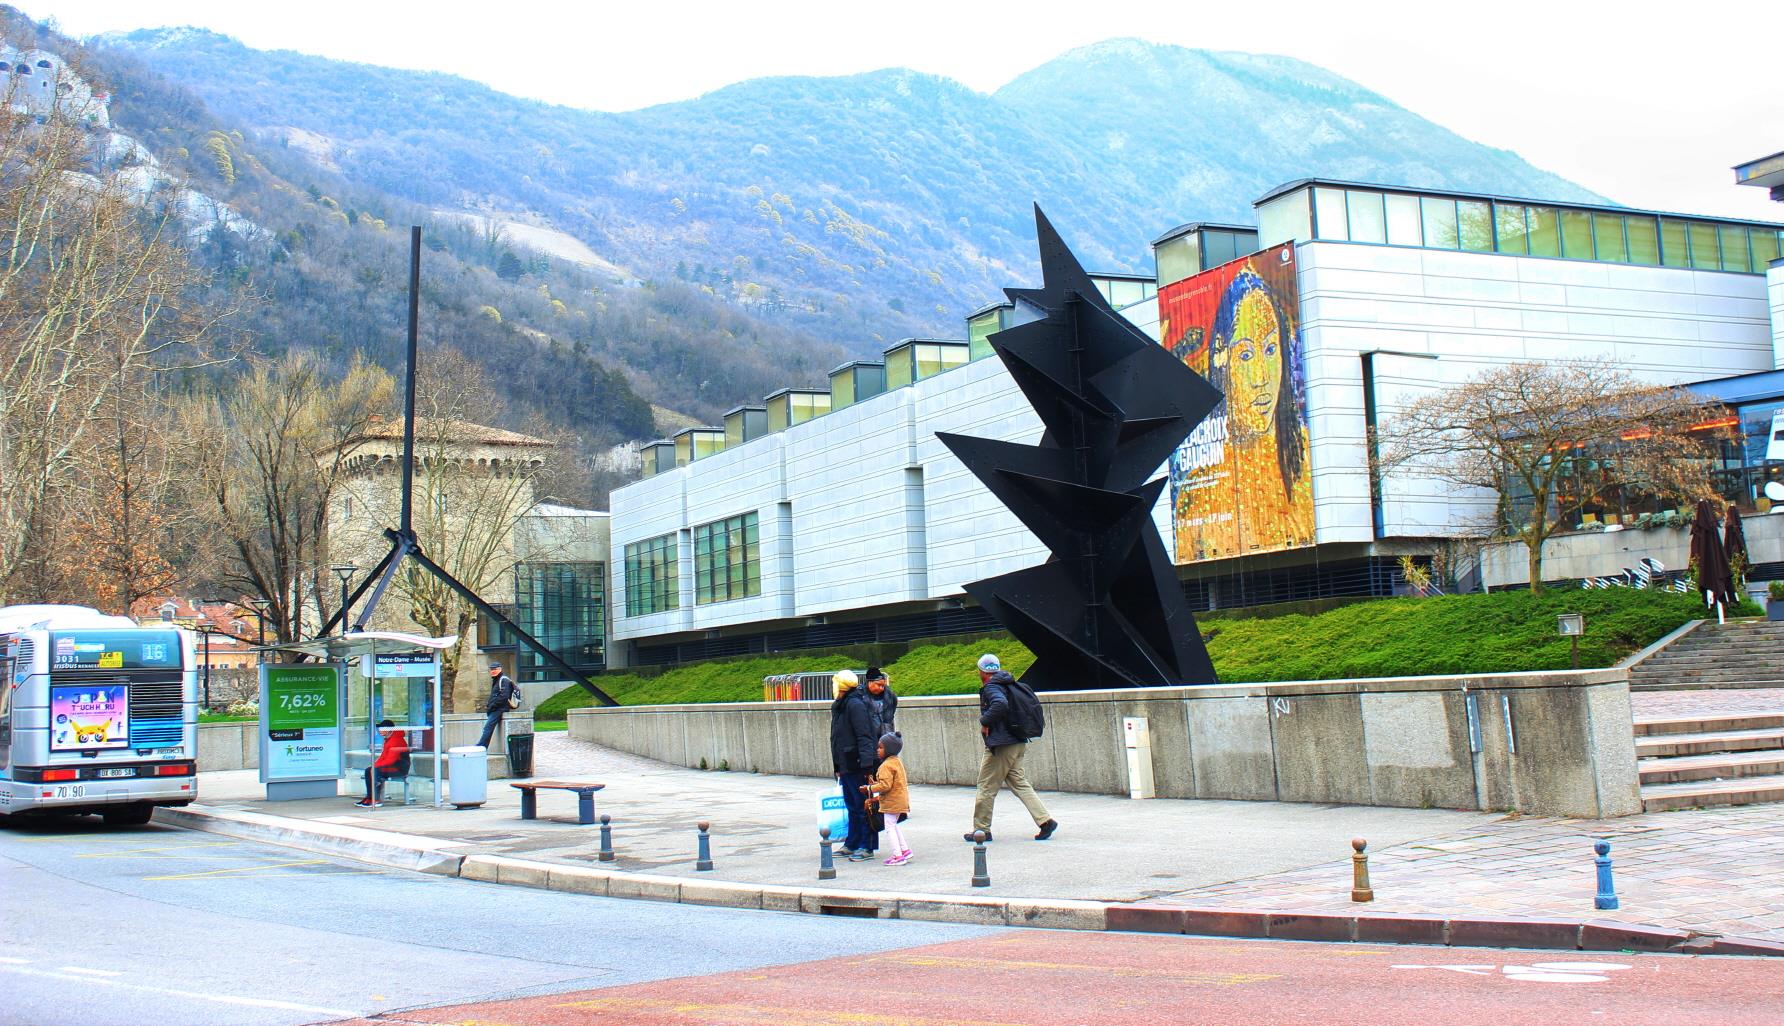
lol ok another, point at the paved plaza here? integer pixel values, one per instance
(1718, 871)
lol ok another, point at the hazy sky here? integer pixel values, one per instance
(1647, 103)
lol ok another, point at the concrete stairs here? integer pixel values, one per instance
(1711, 759)
(1737, 654)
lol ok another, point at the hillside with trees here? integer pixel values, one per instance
(863, 208)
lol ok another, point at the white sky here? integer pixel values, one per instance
(1647, 103)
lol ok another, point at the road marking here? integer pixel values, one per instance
(15, 961)
(95, 972)
(1536, 972)
(240, 871)
(687, 1013)
(1182, 975)
(135, 852)
(227, 999)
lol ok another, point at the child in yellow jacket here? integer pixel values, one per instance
(890, 790)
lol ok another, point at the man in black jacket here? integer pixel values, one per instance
(1002, 763)
(854, 745)
(501, 689)
(880, 696)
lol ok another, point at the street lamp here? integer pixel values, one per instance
(345, 572)
(260, 607)
(205, 631)
(1571, 626)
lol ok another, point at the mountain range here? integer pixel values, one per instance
(862, 208)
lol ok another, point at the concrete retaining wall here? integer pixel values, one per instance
(234, 746)
(1568, 751)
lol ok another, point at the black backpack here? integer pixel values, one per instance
(1025, 720)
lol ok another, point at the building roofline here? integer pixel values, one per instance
(839, 368)
(745, 408)
(1196, 226)
(1299, 183)
(1002, 304)
(777, 393)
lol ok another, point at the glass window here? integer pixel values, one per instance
(1403, 220)
(1283, 219)
(652, 576)
(1607, 234)
(564, 606)
(1765, 248)
(779, 413)
(898, 367)
(1674, 250)
(1644, 241)
(734, 430)
(1511, 234)
(1474, 221)
(1705, 254)
(1328, 214)
(1367, 224)
(1576, 234)
(1177, 259)
(1439, 221)
(1545, 232)
(727, 560)
(980, 329)
(1219, 248)
(1734, 247)
(842, 389)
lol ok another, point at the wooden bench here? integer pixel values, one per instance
(585, 797)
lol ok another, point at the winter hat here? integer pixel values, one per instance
(893, 743)
(988, 663)
(844, 681)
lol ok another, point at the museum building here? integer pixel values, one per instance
(832, 515)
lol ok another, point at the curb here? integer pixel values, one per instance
(427, 855)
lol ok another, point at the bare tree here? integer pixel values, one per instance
(1554, 438)
(91, 283)
(278, 448)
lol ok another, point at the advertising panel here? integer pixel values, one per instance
(1242, 482)
(300, 723)
(115, 650)
(89, 717)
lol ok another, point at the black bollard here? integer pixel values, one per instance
(981, 875)
(703, 864)
(605, 853)
(826, 858)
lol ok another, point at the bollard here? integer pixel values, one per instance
(981, 875)
(1607, 892)
(1359, 872)
(605, 852)
(826, 860)
(703, 863)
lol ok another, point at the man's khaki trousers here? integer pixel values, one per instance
(1003, 765)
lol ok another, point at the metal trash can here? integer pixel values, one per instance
(520, 756)
(467, 773)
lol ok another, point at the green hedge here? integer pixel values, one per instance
(1401, 637)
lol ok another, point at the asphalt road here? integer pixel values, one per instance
(157, 925)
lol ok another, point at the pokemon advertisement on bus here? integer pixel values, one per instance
(1242, 482)
(85, 717)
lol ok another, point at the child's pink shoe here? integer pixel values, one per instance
(899, 859)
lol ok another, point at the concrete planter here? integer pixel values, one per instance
(1774, 610)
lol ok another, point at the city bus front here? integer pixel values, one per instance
(101, 721)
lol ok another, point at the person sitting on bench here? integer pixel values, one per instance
(393, 761)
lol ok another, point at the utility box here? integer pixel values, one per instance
(1138, 740)
(468, 774)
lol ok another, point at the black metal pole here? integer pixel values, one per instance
(409, 397)
(344, 600)
(522, 636)
(207, 668)
(365, 585)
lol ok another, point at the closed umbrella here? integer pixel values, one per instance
(1707, 554)
(1734, 539)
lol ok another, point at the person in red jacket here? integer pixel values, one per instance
(393, 761)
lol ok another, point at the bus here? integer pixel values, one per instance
(97, 715)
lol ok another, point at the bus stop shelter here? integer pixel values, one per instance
(385, 675)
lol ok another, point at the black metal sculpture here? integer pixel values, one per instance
(1106, 609)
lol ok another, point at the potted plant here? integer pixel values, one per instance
(1774, 606)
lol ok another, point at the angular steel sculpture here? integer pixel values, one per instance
(1106, 609)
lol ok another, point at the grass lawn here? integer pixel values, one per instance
(1401, 637)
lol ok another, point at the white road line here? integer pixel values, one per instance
(95, 972)
(15, 961)
(226, 999)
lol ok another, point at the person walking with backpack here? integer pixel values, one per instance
(504, 696)
(1009, 717)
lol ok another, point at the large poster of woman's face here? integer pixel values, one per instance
(1241, 483)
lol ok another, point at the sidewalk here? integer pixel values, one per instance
(1713, 871)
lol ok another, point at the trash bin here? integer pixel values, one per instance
(520, 755)
(467, 772)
